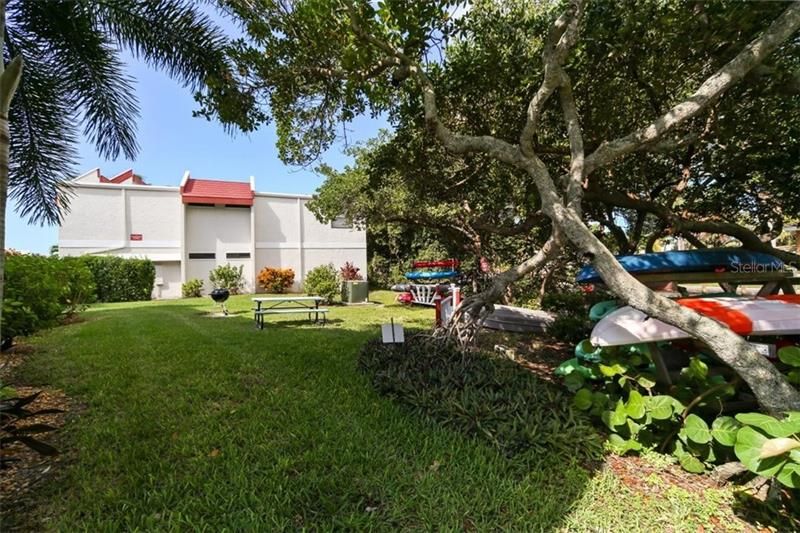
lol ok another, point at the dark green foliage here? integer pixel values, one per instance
(323, 281)
(33, 297)
(571, 310)
(12, 412)
(121, 280)
(77, 281)
(192, 288)
(41, 289)
(481, 396)
(382, 273)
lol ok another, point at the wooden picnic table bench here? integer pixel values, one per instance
(274, 305)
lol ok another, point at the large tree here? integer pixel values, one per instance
(74, 81)
(737, 174)
(320, 63)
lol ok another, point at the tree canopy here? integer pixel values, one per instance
(555, 92)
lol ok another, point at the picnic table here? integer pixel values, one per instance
(273, 305)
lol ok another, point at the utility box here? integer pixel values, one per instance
(355, 292)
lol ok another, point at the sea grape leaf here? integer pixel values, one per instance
(690, 463)
(748, 448)
(645, 382)
(697, 369)
(612, 370)
(697, 429)
(574, 381)
(660, 407)
(771, 425)
(789, 475)
(790, 355)
(724, 429)
(621, 445)
(583, 399)
(635, 405)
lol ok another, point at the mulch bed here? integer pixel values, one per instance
(29, 468)
(539, 354)
(646, 478)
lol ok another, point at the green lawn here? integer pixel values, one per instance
(193, 422)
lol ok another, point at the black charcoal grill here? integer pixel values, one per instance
(221, 296)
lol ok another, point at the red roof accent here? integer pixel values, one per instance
(123, 176)
(216, 192)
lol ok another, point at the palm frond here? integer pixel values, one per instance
(43, 137)
(170, 35)
(90, 70)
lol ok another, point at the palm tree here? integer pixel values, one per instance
(74, 81)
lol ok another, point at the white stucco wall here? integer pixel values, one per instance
(169, 274)
(95, 220)
(288, 235)
(156, 216)
(101, 219)
(218, 230)
(285, 234)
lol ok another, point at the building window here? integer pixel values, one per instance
(194, 204)
(202, 255)
(341, 222)
(237, 255)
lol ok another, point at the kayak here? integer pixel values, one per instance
(777, 314)
(707, 260)
(431, 275)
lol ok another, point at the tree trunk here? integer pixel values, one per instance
(9, 79)
(4, 144)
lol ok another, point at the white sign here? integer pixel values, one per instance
(392, 333)
(767, 350)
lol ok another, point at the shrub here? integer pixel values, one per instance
(571, 313)
(39, 290)
(227, 277)
(121, 280)
(78, 282)
(621, 391)
(349, 272)
(192, 288)
(383, 273)
(482, 396)
(275, 280)
(33, 294)
(322, 281)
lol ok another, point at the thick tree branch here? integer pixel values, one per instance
(683, 225)
(710, 90)
(576, 167)
(560, 41)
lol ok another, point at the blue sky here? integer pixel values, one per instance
(172, 141)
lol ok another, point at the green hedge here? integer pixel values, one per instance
(39, 290)
(121, 280)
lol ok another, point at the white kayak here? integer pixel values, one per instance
(771, 315)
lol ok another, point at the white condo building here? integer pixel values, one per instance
(188, 230)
